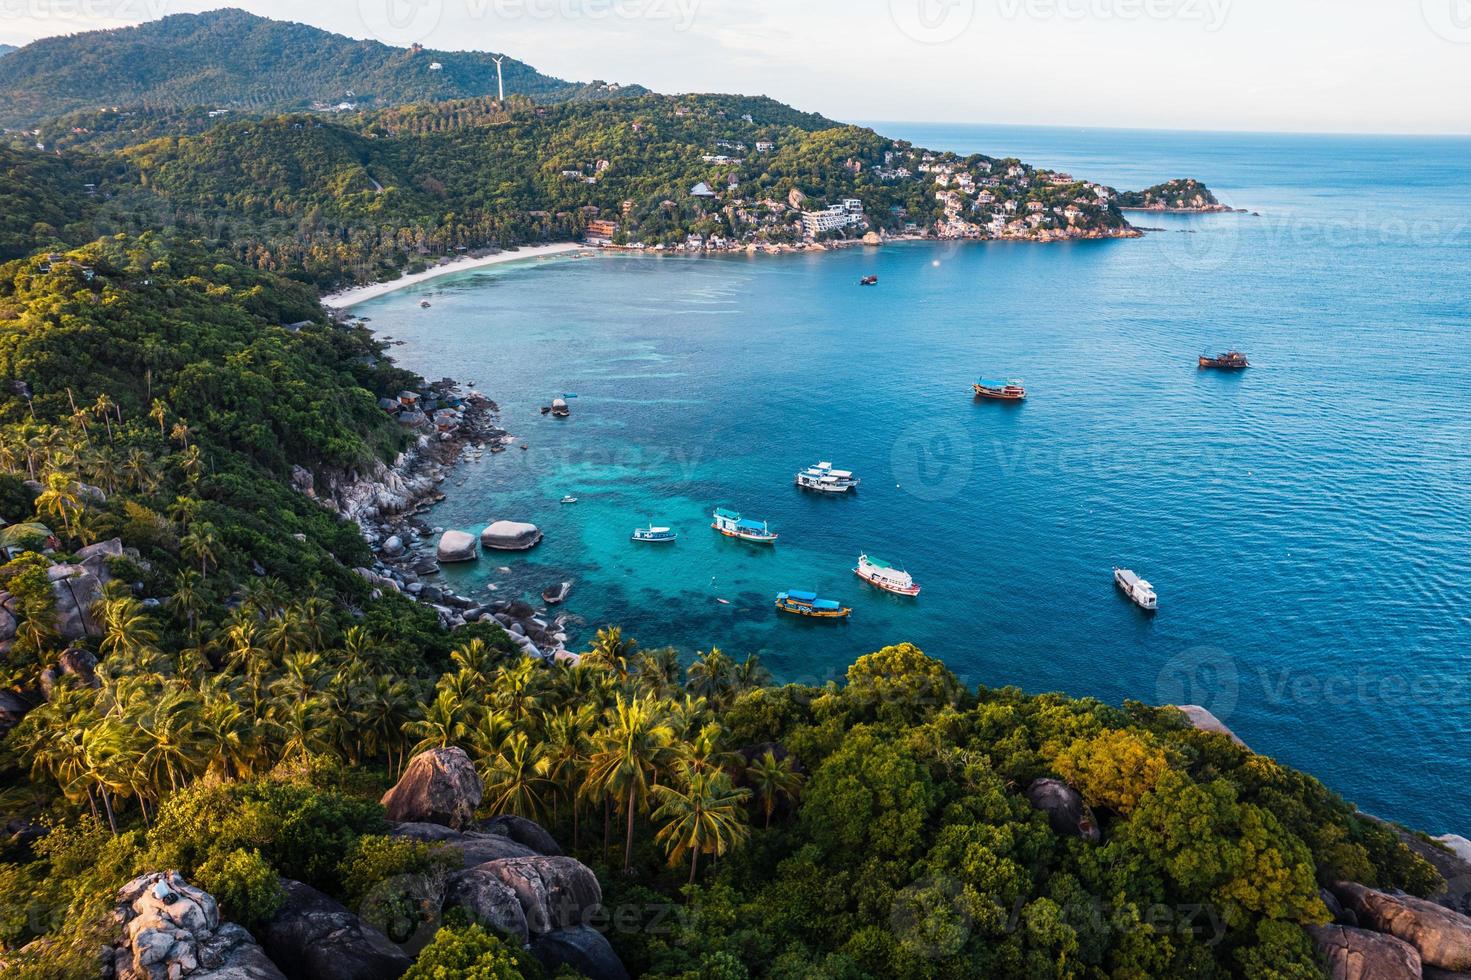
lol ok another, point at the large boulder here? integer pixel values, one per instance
(1442, 936)
(584, 949)
(457, 546)
(1203, 720)
(172, 930)
(487, 900)
(554, 892)
(76, 591)
(13, 707)
(475, 849)
(440, 786)
(510, 536)
(1358, 954)
(312, 937)
(523, 831)
(1065, 809)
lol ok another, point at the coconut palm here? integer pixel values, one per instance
(188, 599)
(103, 408)
(514, 690)
(712, 675)
(568, 738)
(159, 412)
(200, 545)
(515, 778)
(751, 673)
(61, 499)
(773, 780)
(634, 744)
(658, 671)
(138, 467)
(173, 741)
(446, 723)
(704, 815)
(611, 651)
(181, 433)
(127, 626)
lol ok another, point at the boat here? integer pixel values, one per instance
(879, 573)
(1140, 592)
(424, 305)
(654, 535)
(1231, 360)
(569, 499)
(732, 525)
(808, 604)
(1010, 390)
(824, 478)
(869, 281)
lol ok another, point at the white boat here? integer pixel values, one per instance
(652, 534)
(879, 573)
(825, 479)
(1140, 592)
(569, 499)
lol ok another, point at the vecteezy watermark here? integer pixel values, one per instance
(932, 461)
(1096, 917)
(401, 22)
(929, 918)
(89, 12)
(932, 21)
(1450, 19)
(1204, 676)
(404, 22)
(1210, 14)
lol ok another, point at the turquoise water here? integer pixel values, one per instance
(1305, 522)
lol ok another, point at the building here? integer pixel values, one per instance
(701, 189)
(765, 146)
(601, 230)
(831, 218)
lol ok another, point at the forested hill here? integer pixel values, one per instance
(6, 49)
(231, 59)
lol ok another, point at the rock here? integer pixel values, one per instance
(1065, 809)
(439, 786)
(455, 546)
(489, 901)
(1457, 845)
(103, 549)
(1341, 915)
(555, 892)
(13, 707)
(523, 831)
(1442, 936)
(76, 591)
(8, 622)
(510, 536)
(1202, 719)
(584, 949)
(394, 546)
(312, 937)
(172, 930)
(81, 664)
(1357, 954)
(1432, 973)
(518, 609)
(554, 595)
(475, 848)
(873, 238)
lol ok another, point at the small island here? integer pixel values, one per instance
(1184, 195)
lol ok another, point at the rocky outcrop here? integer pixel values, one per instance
(76, 589)
(1442, 936)
(487, 900)
(13, 707)
(312, 937)
(1065, 809)
(1457, 845)
(475, 848)
(510, 536)
(1202, 719)
(554, 892)
(523, 831)
(440, 786)
(171, 930)
(1358, 954)
(584, 949)
(76, 662)
(456, 546)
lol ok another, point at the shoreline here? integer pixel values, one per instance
(347, 298)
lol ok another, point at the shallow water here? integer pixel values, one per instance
(1305, 522)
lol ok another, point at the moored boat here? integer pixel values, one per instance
(808, 604)
(869, 281)
(879, 573)
(1140, 592)
(733, 525)
(824, 478)
(1231, 360)
(654, 535)
(569, 499)
(1010, 390)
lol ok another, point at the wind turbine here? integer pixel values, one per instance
(500, 82)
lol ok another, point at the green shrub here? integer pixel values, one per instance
(471, 953)
(245, 885)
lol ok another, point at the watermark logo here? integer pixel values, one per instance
(929, 918)
(933, 461)
(1449, 19)
(400, 23)
(1210, 14)
(1206, 676)
(932, 21)
(91, 13)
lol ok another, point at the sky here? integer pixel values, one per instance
(1378, 66)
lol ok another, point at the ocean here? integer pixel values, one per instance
(1307, 523)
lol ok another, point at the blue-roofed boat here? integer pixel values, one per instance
(1010, 390)
(654, 535)
(808, 604)
(733, 525)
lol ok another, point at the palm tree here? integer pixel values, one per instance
(751, 673)
(188, 599)
(515, 778)
(104, 408)
(612, 652)
(703, 752)
(658, 671)
(126, 624)
(173, 741)
(104, 467)
(302, 729)
(199, 545)
(633, 746)
(445, 724)
(773, 780)
(138, 467)
(568, 736)
(184, 510)
(181, 433)
(159, 412)
(711, 675)
(61, 499)
(706, 816)
(191, 464)
(514, 690)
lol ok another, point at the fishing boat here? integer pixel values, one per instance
(1010, 390)
(732, 525)
(1231, 360)
(879, 573)
(1140, 592)
(654, 535)
(869, 281)
(569, 499)
(825, 479)
(807, 604)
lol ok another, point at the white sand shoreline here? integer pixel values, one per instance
(361, 294)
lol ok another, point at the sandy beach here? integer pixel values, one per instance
(361, 294)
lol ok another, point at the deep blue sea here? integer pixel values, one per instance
(1307, 523)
